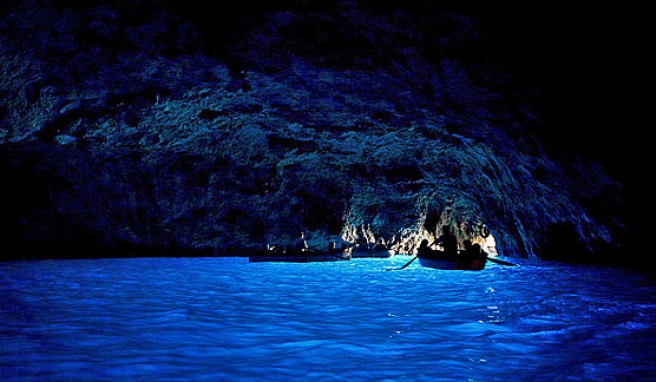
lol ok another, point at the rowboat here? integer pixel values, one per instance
(375, 253)
(299, 257)
(439, 260)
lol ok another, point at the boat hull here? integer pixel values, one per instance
(298, 257)
(438, 260)
(373, 253)
(448, 265)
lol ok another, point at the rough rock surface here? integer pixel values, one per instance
(123, 129)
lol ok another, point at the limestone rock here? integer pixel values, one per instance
(140, 138)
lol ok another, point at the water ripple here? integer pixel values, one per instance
(227, 319)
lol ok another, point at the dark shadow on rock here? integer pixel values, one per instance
(302, 145)
(562, 243)
(25, 191)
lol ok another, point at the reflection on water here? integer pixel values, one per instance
(226, 319)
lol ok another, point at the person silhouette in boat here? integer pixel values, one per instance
(472, 252)
(448, 241)
(477, 253)
(424, 248)
(380, 245)
(467, 253)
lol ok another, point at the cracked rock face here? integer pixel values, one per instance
(123, 131)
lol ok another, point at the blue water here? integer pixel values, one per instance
(224, 319)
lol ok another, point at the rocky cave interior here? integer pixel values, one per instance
(164, 126)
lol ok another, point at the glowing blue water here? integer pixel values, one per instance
(224, 319)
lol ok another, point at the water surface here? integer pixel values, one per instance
(224, 319)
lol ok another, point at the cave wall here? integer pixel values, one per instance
(157, 142)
